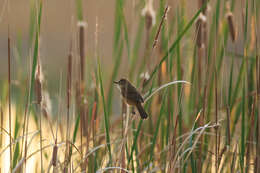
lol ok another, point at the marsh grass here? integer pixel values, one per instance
(202, 96)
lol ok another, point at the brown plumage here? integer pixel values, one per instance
(132, 96)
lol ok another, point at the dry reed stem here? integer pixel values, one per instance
(249, 136)
(2, 123)
(93, 124)
(228, 126)
(200, 131)
(38, 91)
(234, 159)
(157, 36)
(173, 144)
(26, 125)
(123, 112)
(216, 121)
(69, 81)
(160, 26)
(201, 27)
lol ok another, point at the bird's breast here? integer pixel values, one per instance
(130, 102)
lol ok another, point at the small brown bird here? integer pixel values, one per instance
(132, 96)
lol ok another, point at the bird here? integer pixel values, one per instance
(131, 96)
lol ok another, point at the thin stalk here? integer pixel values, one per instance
(257, 161)
(216, 122)
(32, 76)
(2, 122)
(9, 99)
(40, 119)
(69, 81)
(175, 43)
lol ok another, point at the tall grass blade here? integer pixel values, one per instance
(105, 114)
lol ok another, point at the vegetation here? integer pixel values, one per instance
(202, 96)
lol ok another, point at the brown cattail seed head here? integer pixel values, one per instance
(148, 20)
(252, 33)
(38, 83)
(199, 28)
(149, 14)
(231, 26)
(82, 25)
(54, 155)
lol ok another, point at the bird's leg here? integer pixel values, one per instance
(133, 110)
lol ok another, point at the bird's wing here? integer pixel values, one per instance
(133, 94)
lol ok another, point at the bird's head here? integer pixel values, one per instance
(122, 83)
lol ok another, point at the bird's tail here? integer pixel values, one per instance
(141, 111)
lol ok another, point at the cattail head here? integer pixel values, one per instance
(231, 24)
(149, 14)
(54, 154)
(46, 104)
(145, 77)
(82, 25)
(252, 33)
(38, 83)
(42, 96)
(199, 28)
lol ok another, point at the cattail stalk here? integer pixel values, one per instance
(257, 159)
(201, 39)
(2, 123)
(228, 126)
(124, 125)
(173, 145)
(9, 99)
(69, 81)
(80, 91)
(38, 91)
(202, 47)
(160, 26)
(216, 122)
(25, 130)
(249, 136)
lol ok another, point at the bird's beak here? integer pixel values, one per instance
(116, 82)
